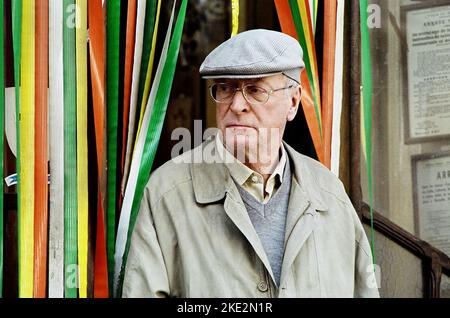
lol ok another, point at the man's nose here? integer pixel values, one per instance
(239, 103)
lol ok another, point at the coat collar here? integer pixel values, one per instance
(211, 178)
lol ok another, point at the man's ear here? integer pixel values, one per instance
(295, 102)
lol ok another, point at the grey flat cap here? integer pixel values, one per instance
(253, 54)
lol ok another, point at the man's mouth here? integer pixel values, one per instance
(239, 126)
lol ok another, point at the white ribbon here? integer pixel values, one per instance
(140, 23)
(337, 90)
(56, 138)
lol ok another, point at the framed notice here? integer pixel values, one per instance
(431, 181)
(426, 85)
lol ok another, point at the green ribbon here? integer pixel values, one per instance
(70, 151)
(16, 7)
(156, 123)
(366, 77)
(2, 131)
(112, 73)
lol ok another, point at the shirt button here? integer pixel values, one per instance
(262, 286)
(255, 179)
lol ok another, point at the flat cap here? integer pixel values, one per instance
(253, 54)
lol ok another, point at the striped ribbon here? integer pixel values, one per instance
(295, 21)
(329, 46)
(338, 88)
(56, 136)
(41, 151)
(149, 68)
(128, 75)
(2, 129)
(97, 58)
(148, 139)
(234, 17)
(366, 104)
(138, 51)
(82, 144)
(26, 144)
(70, 151)
(112, 70)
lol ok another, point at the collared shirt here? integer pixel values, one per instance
(252, 181)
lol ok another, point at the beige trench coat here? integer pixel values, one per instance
(194, 238)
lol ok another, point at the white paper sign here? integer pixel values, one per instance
(433, 201)
(428, 54)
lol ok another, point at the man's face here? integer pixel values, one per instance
(248, 125)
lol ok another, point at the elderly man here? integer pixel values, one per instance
(271, 222)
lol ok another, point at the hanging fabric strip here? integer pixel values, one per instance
(316, 7)
(82, 144)
(313, 6)
(70, 151)
(41, 151)
(2, 130)
(302, 20)
(140, 21)
(124, 222)
(366, 78)
(112, 70)
(338, 88)
(129, 54)
(149, 69)
(97, 58)
(150, 19)
(16, 7)
(288, 26)
(158, 112)
(329, 45)
(234, 17)
(310, 4)
(26, 118)
(56, 136)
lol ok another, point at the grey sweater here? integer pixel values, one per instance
(269, 221)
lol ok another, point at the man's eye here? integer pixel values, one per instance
(254, 90)
(224, 89)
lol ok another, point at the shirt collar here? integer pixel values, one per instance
(205, 176)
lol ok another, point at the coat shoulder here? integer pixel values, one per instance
(326, 179)
(171, 174)
(316, 174)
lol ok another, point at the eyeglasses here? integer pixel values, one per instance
(253, 94)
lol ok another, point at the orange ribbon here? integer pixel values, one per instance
(97, 55)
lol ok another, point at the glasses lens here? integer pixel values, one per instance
(222, 92)
(256, 94)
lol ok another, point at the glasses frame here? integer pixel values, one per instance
(242, 89)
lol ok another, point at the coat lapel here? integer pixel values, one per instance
(236, 211)
(304, 205)
(300, 223)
